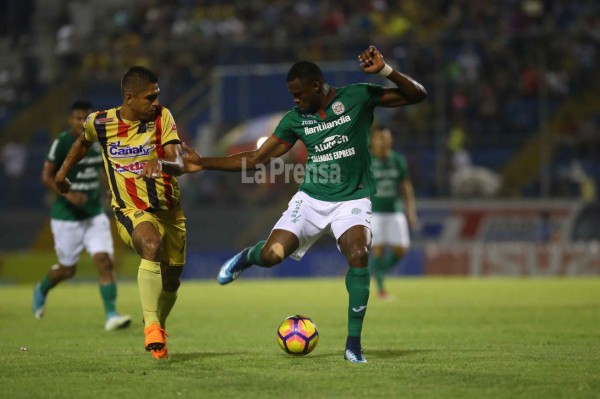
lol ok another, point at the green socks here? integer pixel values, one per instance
(254, 254)
(376, 265)
(108, 292)
(357, 285)
(379, 265)
(390, 261)
(45, 285)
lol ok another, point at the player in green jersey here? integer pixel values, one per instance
(334, 124)
(390, 214)
(78, 221)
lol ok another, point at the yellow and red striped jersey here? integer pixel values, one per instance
(126, 147)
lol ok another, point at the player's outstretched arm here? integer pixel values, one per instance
(271, 148)
(78, 151)
(192, 161)
(172, 163)
(408, 90)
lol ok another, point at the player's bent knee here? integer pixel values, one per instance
(67, 272)
(150, 247)
(400, 252)
(358, 256)
(272, 256)
(104, 261)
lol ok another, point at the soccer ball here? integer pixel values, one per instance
(298, 335)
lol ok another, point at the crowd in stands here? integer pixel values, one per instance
(497, 71)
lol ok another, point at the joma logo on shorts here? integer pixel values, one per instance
(295, 216)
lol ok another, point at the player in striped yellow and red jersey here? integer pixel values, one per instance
(142, 155)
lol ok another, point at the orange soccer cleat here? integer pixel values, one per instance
(155, 341)
(161, 354)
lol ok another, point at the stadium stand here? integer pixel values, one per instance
(517, 77)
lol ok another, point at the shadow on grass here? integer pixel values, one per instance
(375, 353)
(369, 353)
(389, 353)
(185, 357)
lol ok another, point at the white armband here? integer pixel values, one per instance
(386, 70)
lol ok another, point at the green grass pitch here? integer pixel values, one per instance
(439, 338)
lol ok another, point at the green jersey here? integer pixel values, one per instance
(85, 177)
(389, 172)
(337, 139)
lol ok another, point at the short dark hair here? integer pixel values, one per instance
(305, 71)
(81, 105)
(136, 76)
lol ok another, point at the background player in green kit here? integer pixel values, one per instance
(390, 214)
(78, 221)
(334, 124)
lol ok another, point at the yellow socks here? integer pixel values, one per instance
(150, 287)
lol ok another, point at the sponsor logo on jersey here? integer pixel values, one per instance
(386, 173)
(102, 121)
(331, 142)
(333, 155)
(338, 108)
(135, 167)
(85, 186)
(91, 160)
(327, 125)
(87, 173)
(116, 151)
